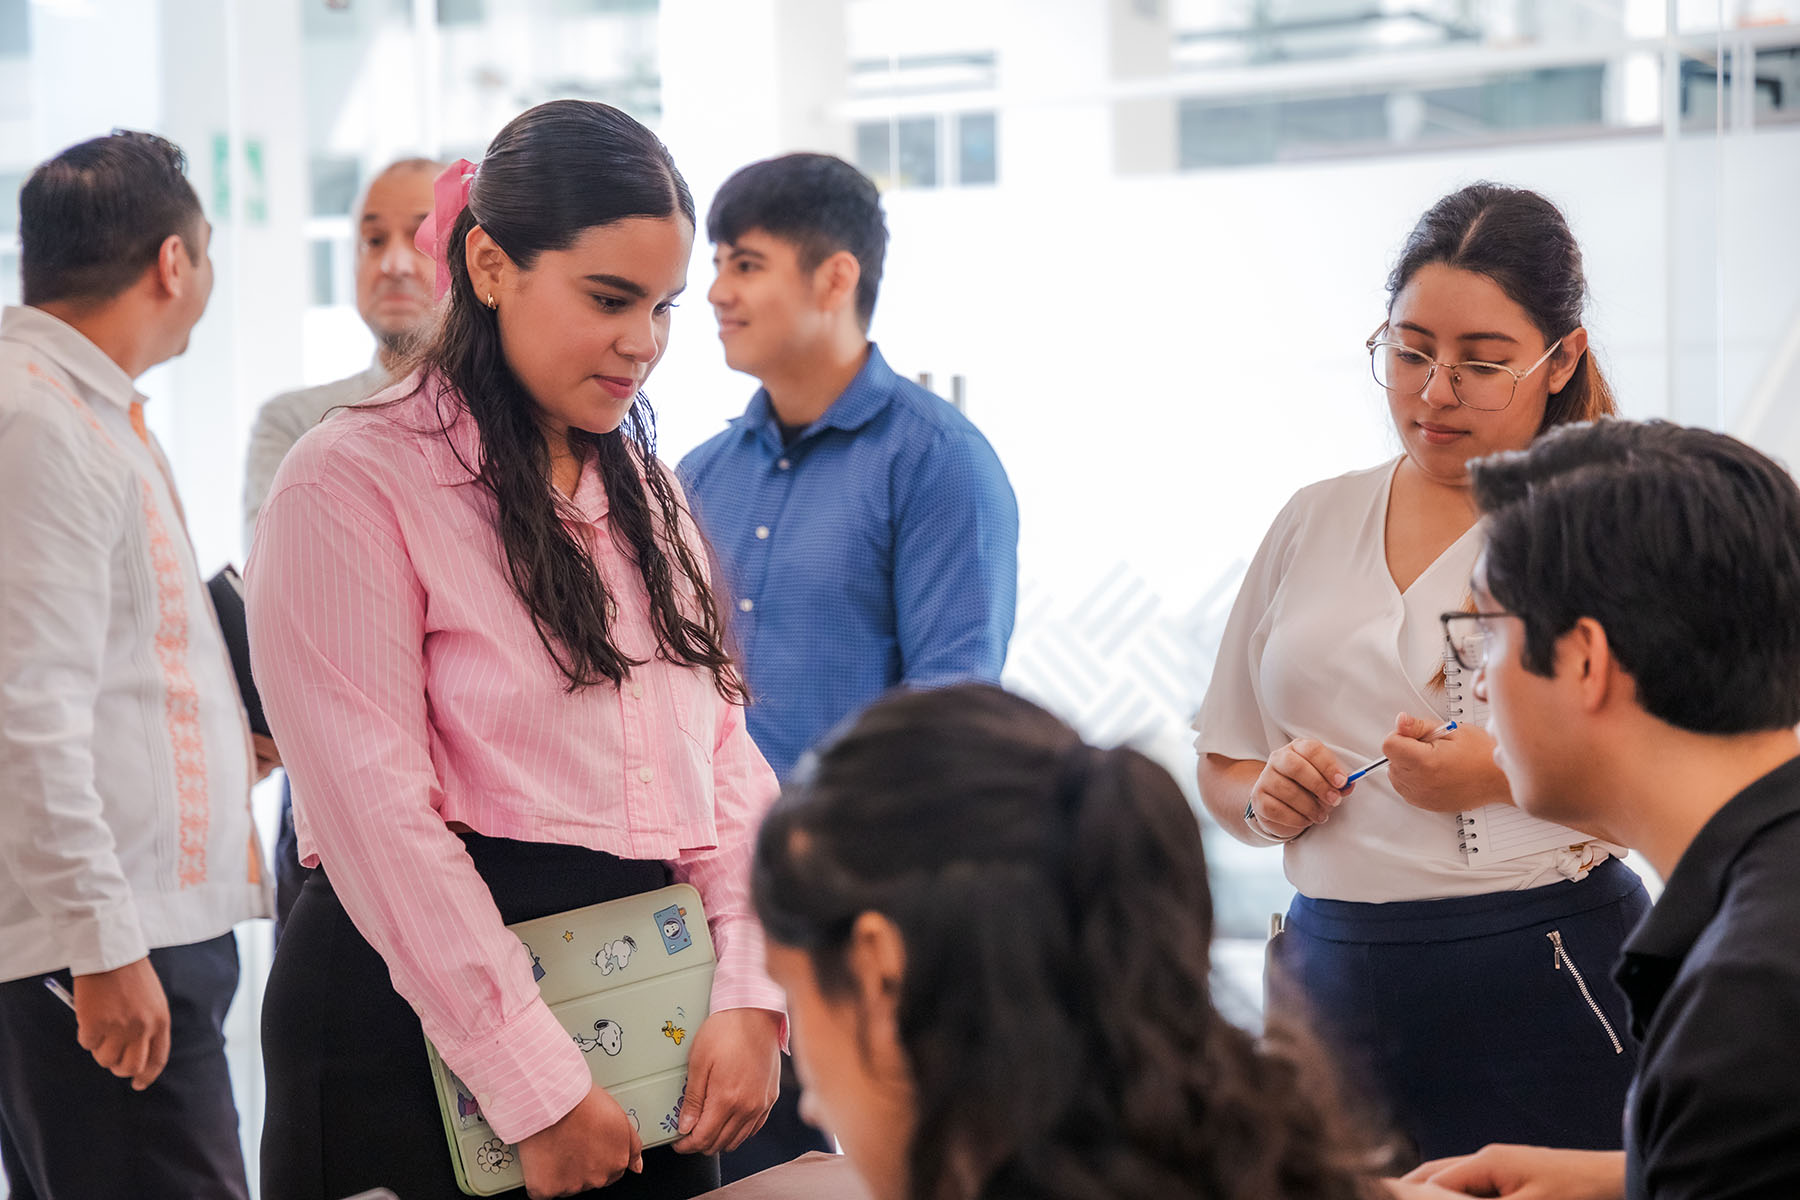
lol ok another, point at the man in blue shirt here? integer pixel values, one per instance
(865, 529)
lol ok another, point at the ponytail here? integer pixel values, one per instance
(1056, 1010)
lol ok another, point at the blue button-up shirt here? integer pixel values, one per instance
(879, 549)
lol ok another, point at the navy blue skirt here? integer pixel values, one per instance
(1476, 1019)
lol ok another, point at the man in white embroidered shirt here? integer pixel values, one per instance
(126, 847)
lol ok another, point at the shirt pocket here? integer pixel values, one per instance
(695, 701)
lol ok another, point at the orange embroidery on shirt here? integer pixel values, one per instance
(181, 697)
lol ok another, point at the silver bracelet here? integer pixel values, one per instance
(1256, 826)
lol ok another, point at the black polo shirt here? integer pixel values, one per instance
(1713, 978)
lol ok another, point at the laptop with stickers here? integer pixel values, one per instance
(630, 980)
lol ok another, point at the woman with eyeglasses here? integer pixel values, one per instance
(1469, 993)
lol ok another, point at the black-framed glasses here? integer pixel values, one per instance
(1484, 386)
(1466, 634)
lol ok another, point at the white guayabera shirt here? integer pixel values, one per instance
(125, 757)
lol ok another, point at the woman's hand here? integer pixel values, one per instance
(734, 1076)
(1302, 782)
(1452, 773)
(592, 1146)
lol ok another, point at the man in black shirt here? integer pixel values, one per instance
(1640, 601)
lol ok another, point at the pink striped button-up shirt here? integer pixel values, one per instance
(408, 688)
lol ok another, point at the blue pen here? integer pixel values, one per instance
(59, 991)
(1439, 732)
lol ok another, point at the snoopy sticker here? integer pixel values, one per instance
(672, 923)
(607, 1036)
(494, 1156)
(614, 955)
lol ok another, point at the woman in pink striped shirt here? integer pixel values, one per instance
(484, 633)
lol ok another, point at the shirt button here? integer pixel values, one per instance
(646, 774)
(783, 464)
(762, 533)
(746, 604)
(637, 691)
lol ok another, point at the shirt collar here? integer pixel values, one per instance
(859, 403)
(1690, 900)
(453, 445)
(71, 350)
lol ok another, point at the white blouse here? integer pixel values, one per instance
(1322, 644)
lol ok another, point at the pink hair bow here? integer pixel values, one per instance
(449, 196)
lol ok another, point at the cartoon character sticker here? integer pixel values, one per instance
(673, 1032)
(614, 955)
(672, 923)
(608, 1036)
(494, 1156)
(537, 964)
(468, 1109)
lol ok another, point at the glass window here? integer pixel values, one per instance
(916, 140)
(976, 149)
(875, 151)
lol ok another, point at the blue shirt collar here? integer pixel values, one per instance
(858, 404)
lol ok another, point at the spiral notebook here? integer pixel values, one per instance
(1496, 832)
(630, 980)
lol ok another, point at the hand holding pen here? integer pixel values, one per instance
(1298, 788)
(122, 1019)
(1441, 771)
(1432, 736)
(1302, 782)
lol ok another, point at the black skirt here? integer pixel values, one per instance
(351, 1104)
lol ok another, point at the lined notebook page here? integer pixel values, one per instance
(1497, 832)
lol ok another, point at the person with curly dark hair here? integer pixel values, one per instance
(995, 940)
(482, 617)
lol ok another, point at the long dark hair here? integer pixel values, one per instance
(1522, 242)
(1056, 1011)
(554, 172)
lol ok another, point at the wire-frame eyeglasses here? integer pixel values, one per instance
(1484, 386)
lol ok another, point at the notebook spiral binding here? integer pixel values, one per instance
(1453, 700)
